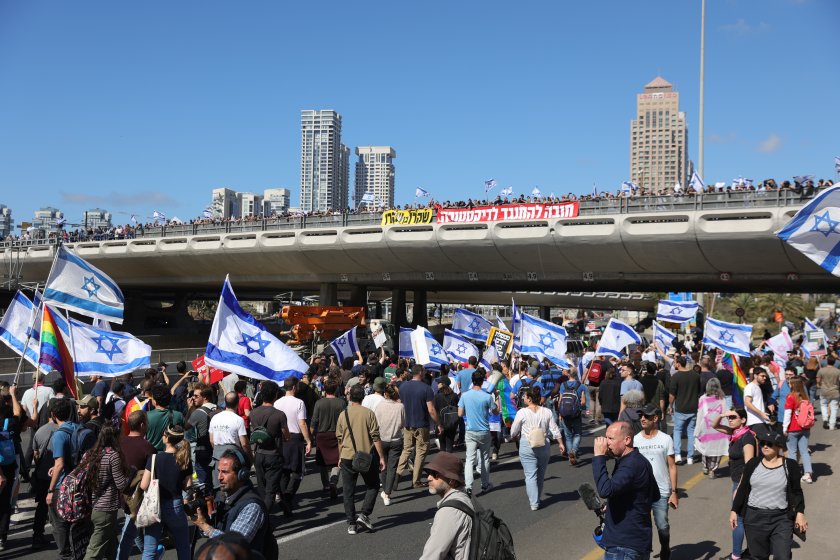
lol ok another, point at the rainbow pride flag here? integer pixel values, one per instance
(506, 401)
(739, 379)
(131, 406)
(54, 351)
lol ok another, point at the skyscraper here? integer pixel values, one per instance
(324, 162)
(96, 217)
(375, 174)
(7, 224)
(658, 138)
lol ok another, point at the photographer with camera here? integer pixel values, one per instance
(241, 510)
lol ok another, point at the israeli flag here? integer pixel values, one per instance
(662, 336)
(517, 328)
(490, 357)
(457, 347)
(583, 364)
(345, 346)
(21, 316)
(628, 187)
(101, 324)
(501, 324)
(802, 179)
(677, 187)
(676, 311)
(420, 192)
(368, 198)
(729, 337)
(536, 192)
(426, 349)
(594, 190)
(158, 216)
(720, 185)
(134, 219)
(471, 325)
(240, 344)
(617, 336)
(107, 353)
(543, 339)
(696, 184)
(507, 191)
(837, 164)
(208, 213)
(489, 185)
(810, 326)
(405, 343)
(76, 285)
(815, 230)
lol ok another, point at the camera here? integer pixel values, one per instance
(199, 496)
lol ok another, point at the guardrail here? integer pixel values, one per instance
(632, 205)
(8, 366)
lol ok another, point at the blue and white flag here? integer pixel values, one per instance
(663, 337)
(21, 316)
(405, 343)
(489, 185)
(490, 357)
(207, 213)
(368, 198)
(107, 353)
(729, 337)
(501, 324)
(345, 346)
(543, 339)
(101, 324)
(507, 191)
(802, 179)
(420, 192)
(720, 185)
(815, 230)
(458, 347)
(471, 325)
(583, 364)
(628, 187)
(810, 326)
(158, 216)
(617, 336)
(240, 344)
(133, 219)
(426, 349)
(696, 183)
(77, 285)
(677, 187)
(536, 192)
(594, 190)
(516, 323)
(676, 311)
(837, 164)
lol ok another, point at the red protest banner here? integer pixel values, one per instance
(207, 374)
(507, 213)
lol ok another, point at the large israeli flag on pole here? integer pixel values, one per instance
(815, 230)
(676, 311)
(696, 184)
(426, 349)
(458, 347)
(76, 285)
(240, 344)
(15, 328)
(405, 343)
(617, 336)
(471, 325)
(729, 337)
(345, 346)
(490, 357)
(662, 336)
(105, 352)
(543, 339)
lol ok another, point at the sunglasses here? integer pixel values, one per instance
(648, 416)
(766, 444)
(434, 475)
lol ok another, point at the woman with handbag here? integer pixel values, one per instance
(797, 435)
(167, 475)
(534, 423)
(769, 498)
(108, 476)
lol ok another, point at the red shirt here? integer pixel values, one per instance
(791, 404)
(244, 404)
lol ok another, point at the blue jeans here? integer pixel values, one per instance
(572, 429)
(128, 539)
(738, 533)
(684, 421)
(663, 529)
(172, 515)
(478, 443)
(534, 464)
(798, 441)
(622, 553)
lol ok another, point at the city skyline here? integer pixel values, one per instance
(522, 103)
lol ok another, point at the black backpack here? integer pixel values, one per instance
(449, 413)
(569, 404)
(490, 538)
(520, 395)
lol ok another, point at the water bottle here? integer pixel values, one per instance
(159, 551)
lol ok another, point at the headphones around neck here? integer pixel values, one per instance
(244, 473)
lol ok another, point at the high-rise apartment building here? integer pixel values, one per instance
(375, 175)
(276, 201)
(224, 203)
(95, 218)
(7, 224)
(658, 138)
(250, 204)
(324, 162)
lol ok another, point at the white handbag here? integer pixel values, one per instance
(149, 512)
(536, 435)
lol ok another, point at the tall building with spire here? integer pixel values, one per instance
(324, 162)
(659, 138)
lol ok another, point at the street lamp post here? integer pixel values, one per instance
(702, 83)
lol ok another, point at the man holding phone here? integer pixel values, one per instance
(658, 448)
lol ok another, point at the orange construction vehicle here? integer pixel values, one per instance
(316, 323)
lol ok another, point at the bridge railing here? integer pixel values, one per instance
(603, 206)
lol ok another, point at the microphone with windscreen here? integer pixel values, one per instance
(594, 503)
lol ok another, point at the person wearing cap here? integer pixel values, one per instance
(658, 448)
(451, 530)
(90, 419)
(372, 400)
(769, 490)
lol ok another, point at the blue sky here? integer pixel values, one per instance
(149, 105)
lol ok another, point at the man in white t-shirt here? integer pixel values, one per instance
(227, 431)
(754, 398)
(372, 401)
(40, 390)
(658, 448)
(297, 447)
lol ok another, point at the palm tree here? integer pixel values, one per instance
(726, 308)
(791, 306)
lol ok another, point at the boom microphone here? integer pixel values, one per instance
(590, 497)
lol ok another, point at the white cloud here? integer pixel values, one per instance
(118, 199)
(770, 144)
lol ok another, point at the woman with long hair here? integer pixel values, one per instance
(710, 443)
(108, 478)
(446, 398)
(797, 436)
(535, 424)
(769, 490)
(742, 448)
(173, 470)
(390, 415)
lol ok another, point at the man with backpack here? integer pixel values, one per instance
(570, 408)
(67, 451)
(112, 410)
(269, 429)
(197, 430)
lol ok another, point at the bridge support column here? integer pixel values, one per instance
(545, 313)
(398, 318)
(358, 296)
(421, 315)
(377, 310)
(329, 294)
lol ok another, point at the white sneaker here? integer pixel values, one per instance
(385, 498)
(689, 461)
(678, 459)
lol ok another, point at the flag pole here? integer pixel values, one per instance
(32, 316)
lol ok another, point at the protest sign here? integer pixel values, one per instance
(501, 340)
